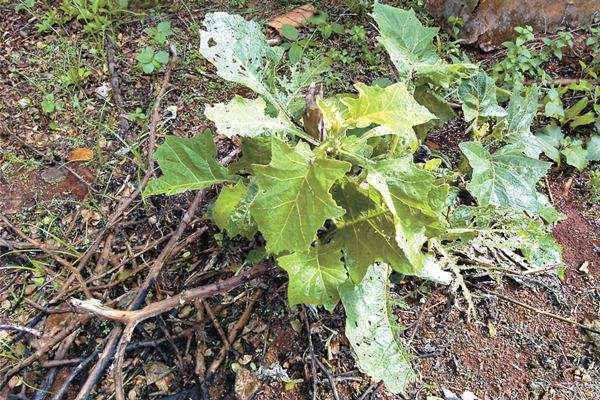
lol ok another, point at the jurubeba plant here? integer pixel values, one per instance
(344, 206)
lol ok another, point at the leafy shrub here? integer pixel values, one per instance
(344, 203)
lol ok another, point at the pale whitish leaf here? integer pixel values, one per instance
(294, 199)
(521, 111)
(186, 164)
(575, 154)
(245, 117)
(370, 330)
(314, 276)
(506, 178)
(239, 50)
(593, 148)
(478, 97)
(410, 46)
(551, 139)
(392, 107)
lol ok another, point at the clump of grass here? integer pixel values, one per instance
(594, 186)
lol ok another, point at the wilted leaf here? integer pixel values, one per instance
(297, 17)
(370, 330)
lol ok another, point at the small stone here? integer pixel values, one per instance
(102, 91)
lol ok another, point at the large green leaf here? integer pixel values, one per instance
(239, 51)
(410, 46)
(414, 187)
(370, 329)
(575, 154)
(186, 164)
(521, 112)
(294, 199)
(506, 178)
(593, 148)
(551, 138)
(314, 276)
(409, 228)
(367, 232)
(478, 97)
(245, 117)
(392, 107)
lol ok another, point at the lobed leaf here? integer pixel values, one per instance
(186, 164)
(410, 46)
(392, 107)
(506, 178)
(294, 199)
(478, 97)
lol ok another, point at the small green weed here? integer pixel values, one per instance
(149, 59)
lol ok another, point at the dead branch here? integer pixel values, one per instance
(67, 382)
(133, 318)
(233, 332)
(216, 324)
(50, 252)
(336, 396)
(542, 312)
(18, 328)
(49, 381)
(43, 350)
(189, 296)
(114, 219)
(311, 348)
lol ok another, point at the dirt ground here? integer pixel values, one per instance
(507, 353)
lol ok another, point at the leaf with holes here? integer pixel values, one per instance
(370, 330)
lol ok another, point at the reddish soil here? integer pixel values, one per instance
(511, 352)
(43, 186)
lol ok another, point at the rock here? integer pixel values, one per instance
(488, 23)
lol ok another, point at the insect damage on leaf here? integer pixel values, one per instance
(344, 201)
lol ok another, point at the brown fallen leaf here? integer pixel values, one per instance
(297, 17)
(80, 154)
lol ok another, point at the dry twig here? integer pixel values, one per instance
(132, 319)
